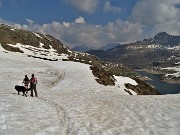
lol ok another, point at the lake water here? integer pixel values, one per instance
(162, 87)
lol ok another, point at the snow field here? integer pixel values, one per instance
(71, 102)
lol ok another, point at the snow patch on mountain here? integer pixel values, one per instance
(40, 52)
(37, 35)
(152, 46)
(13, 29)
(173, 48)
(176, 69)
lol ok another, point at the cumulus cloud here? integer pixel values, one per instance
(30, 22)
(55, 29)
(67, 24)
(88, 6)
(80, 20)
(98, 36)
(172, 28)
(109, 8)
(73, 33)
(155, 11)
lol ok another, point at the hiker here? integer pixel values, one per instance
(26, 81)
(33, 82)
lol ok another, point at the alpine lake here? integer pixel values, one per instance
(162, 87)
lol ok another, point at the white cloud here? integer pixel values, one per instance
(172, 28)
(55, 29)
(66, 24)
(88, 6)
(109, 8)
(18, 26)
(98, 36)
(155, 11)
(123, 31)
(30, 22)
(80, 20)
(91, 35)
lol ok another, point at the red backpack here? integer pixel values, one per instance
(33, 80)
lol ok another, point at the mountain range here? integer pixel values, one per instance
(144, 53)
(160, 54)
(84, 48)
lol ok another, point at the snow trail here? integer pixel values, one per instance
(21, 115)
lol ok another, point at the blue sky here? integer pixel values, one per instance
(44, 11)
(94, 23)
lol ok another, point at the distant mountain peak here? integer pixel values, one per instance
(161, 35)
(82, 48)
(109, 46)
(165, 39)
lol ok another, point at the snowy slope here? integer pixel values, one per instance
(176, 69)
(71, 102)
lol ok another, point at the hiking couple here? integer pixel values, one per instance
(32, 82)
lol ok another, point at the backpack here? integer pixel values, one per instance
(33, 80)
(26, 80)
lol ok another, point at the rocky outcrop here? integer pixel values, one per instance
(142, 88)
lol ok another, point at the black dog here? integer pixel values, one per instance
(21, 89)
